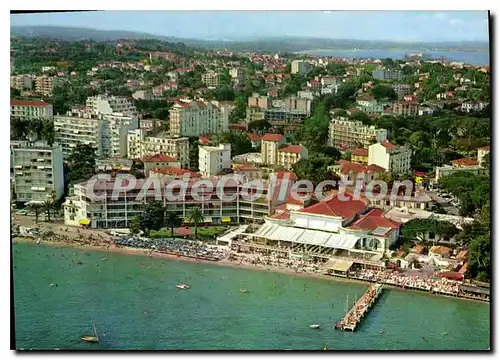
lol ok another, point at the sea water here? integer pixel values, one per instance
(135, 305)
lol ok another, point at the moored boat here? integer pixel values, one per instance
(89, 338)
(182, 286)
(314, 326)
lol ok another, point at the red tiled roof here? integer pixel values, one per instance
(451, 275)
(245, 167)
(462, 255)
(440, 250)
(345, 209)
(352, 110)
(237, 127)
(159, 158)
(281, 216)
(253, 137)
(18, 102)
(464, 162)
(388, 145)
(419, 249)
(485, 148)
(170, 170)
(273, 137)
(348, 167)
(372, 220)
(204, 140)
(281, 175)
(292, 149)
(360, 152)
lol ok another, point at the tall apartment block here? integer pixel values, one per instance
(352, 134)
(197, 117)
(139, 144)
(38, 171)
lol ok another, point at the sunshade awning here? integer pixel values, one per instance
(84, 221)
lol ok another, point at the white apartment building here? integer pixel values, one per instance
(103, 104)
(213, 159)
(30, 109)
(38, 171)
(269, 147)
(395, 159)
(301, 67)
(107, 133)
(196, 118)
(211, 79)
(238, 76)
(45, 84)
(481, 152)
(139, 144)
(344, 132)
(290, 155)
(21, 82)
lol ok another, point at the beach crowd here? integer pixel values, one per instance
(396, 278)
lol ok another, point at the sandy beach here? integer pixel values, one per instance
(104, 248)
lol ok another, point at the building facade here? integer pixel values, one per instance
(21, 82)
(269, 146)
(211, 79)
(139, 144)
(238, 76)
(382, 74)
(395, 159)
(290, 155)
(196, 118)
(45, 84)
(30, 109)
(38, 171)
(103, 104)
(213, 159)
(301, 67)
(107, 133)
(406, 108)
(346, 133)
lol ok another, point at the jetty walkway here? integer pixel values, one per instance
(351, 320)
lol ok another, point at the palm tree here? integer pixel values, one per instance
(172, 219)
(36, 208)
(47, 205)
(196, 216)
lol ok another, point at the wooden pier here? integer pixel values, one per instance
(351, 319)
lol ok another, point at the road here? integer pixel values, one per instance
(445, 203)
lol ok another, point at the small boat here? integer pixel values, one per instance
(381, 332)
(94, 338)
(182, 286)
(314, 326)
(245, 291)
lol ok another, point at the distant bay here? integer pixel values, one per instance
(480, 58)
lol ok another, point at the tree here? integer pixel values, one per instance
(240, 110)
(381, 92)
(239, 141)
(195, 216)
(315, 169)
(480, 258)
(224, 93)
(135, 224)
(36, 208)
(153, 217)
(314, 132)
(172, 219)
(48, 205)
(486, 161)
(83, 162)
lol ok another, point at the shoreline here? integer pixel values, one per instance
(224, 262)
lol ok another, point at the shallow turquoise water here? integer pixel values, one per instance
(135, 305)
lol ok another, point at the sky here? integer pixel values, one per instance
(410, 26)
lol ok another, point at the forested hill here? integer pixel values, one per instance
(268, 44)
